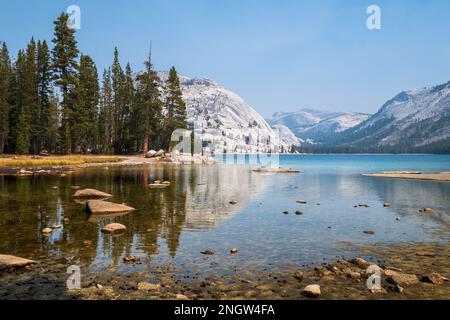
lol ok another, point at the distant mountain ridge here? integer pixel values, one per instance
(316, 124)
(413, 118)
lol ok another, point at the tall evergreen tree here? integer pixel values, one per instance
(24, 115)
(44, 78)
(119, 110)
(5, 86)
(148, 105)
(106, 119)
(175, 107)
(84, 115)
(128, 96)
(65, 66)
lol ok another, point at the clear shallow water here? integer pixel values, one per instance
(172, 226)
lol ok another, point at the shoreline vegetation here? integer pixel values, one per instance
(26, 165)
(408, 271)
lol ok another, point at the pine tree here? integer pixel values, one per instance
(175, 107)
(44, 78)
(128, 96)
(65, 66)
(25, 110)
(5, 85)
(148, 105)
(106, 120)
(84, 115)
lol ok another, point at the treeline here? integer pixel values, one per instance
(52, 100)
(437, 147)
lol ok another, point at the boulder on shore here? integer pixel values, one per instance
(105, 207)
(114, 228)
(401, 279)
(150, 154)
(8, 261)
(160, 153)
(313, 290)
(91, 194)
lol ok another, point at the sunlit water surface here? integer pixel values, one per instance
(173, 225)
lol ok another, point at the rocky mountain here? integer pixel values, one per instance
(225, 119)
(413, 118)
(315, 124)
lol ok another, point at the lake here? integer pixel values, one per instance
(173, 225)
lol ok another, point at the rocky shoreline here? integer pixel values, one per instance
(408, 271)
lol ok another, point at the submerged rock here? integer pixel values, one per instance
(114, 228)
(313, 290)
(91, 194)
(369, 232)
(47, 230)
(298, 213)
(299, 275)
(301, 201)
(8, 261)
(145, 286)
(105, 207)
(434, 278)
(233, 202)
(207, 252)
(386, 204)
(234, 250)
(426, 210)
(131, 259)
(360, 262)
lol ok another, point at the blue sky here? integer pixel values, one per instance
(277, 55)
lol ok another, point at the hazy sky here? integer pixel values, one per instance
(277, 55)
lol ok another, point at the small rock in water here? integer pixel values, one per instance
(298, 212)
(234, 250)
(207, 252)
(233, 202)
(386, 205)
(426, 210)
(301, 201)
(105, 207)
(299, 276)
(131, 259)
(145, 286)
(369, 232)
(360, 262)
(401, 279)
(376, 289)
(313, 290)
(285, 212)
(47, 230)
(8, 261)
(434, 278)
(91, 194)
(425, 254)
(397, 218)
(114, 228)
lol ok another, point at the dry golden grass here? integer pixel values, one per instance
(30, 161)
